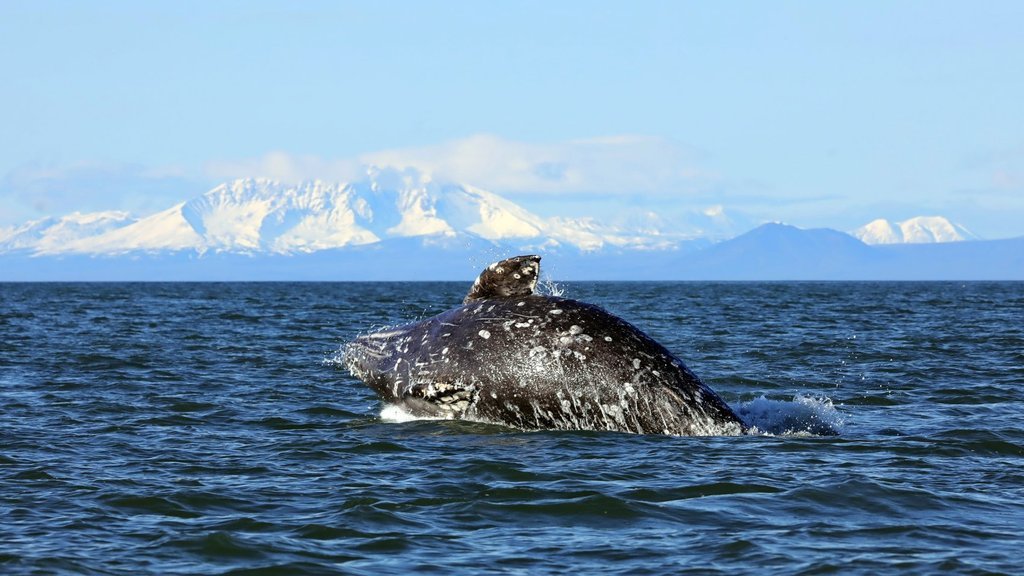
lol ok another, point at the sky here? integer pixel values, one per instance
(812, 113)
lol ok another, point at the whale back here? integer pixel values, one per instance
(512, 357)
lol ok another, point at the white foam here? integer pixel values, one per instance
(802, 416)
(395, 414)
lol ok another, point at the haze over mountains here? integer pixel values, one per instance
(402, 225)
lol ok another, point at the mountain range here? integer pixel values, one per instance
(401, 225)
(260, 216)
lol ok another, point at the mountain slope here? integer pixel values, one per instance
(164, 231)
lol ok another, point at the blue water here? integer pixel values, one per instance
(207, 428)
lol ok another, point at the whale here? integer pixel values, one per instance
(510, 356)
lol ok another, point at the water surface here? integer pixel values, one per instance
(206, 428)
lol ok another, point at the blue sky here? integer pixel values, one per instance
(813, 113)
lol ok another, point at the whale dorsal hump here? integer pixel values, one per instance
(506, 279)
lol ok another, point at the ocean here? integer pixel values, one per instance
(209, 428)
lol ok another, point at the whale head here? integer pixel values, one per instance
(374, 357)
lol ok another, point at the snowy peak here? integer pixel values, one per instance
(880, 231)
(259, 215)
(925, 229)
(919, 230)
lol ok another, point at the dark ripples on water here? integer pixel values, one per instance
(202, 428)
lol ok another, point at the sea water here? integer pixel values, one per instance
(209, 428)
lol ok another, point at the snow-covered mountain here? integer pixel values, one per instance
(260, 216)
(919, 230)
(53, 234)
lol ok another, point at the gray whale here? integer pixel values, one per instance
(510, 356)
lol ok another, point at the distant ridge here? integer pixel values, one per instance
(782, 252)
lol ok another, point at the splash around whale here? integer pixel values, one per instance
(510, 356)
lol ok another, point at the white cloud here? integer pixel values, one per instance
(285, 167)
(609, 165)
(37, 189)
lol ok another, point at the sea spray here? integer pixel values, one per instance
(548, 287)
(802, 416)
